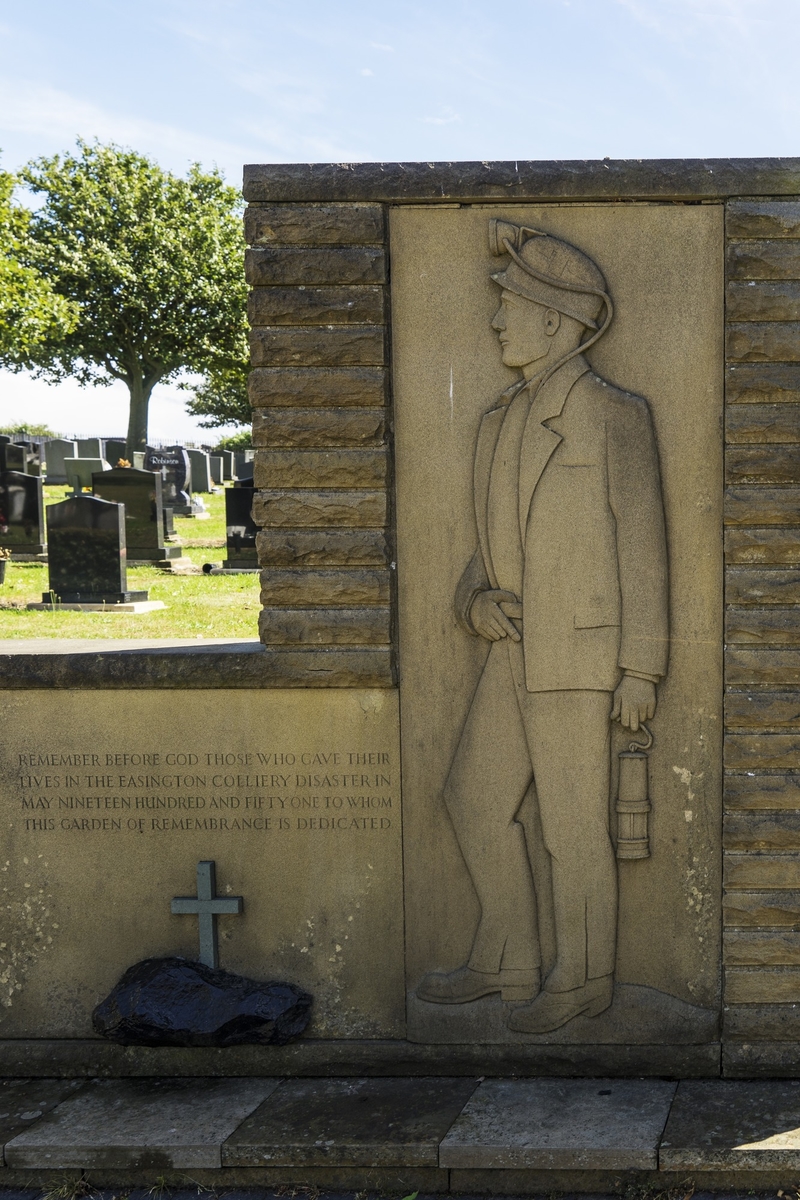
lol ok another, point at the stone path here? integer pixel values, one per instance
(398, 1135)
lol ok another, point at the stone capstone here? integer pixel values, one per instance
(175, 1002)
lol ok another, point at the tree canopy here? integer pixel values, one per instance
(151, 263)
(31, 312)
(221, 397)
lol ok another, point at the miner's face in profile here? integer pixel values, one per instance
(525, 329)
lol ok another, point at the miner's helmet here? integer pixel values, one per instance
(551, 272)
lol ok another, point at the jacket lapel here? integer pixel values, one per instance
(538, 441)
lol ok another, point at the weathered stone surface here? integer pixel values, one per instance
(764, 341)
(306, 428)
(751, 300)
(302, 265)
(769, 909)
(176, 1002)
(324, 547)
(761, 1060)
(767, 712)
(718, 1124)
(772, 586)
(763, 260)
(316, 306)
(762, 831)
(23, 1101)
(350, 1122)
(152, 1124)
(762, 627)
(762, 464)
(762, 383)
(768, 1022)
(754, 985)
(517, 181)
(320, 468)
(129, 860)
(569, 1124)
(762, 219)
(767, 751)
(331, 667)
(746, 948)
(757, 792)
(751, 505)
(761, 871)
(309, 346)
(314, 224)
(338, 585)
(773, 423)
(320, 508)
(764, 667)
(365, 626)
(773, 547)
(315, 386)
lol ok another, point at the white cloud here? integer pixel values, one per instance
(48, 113)
(381, 46)
(366, 71)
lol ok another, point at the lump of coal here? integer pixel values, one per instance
(175, 1002)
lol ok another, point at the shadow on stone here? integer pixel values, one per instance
(175, 1002)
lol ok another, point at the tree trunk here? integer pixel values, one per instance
(140, 391)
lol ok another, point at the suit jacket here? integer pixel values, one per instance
(591, 533)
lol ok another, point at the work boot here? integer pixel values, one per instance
(551, 1010)
(464, 984)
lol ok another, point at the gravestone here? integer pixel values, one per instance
(176, 472)
(86, 553)
(243, 463)
(228, 464)
(21, 515)
(80, 472)
(91, 448)
(57, 451)
(216, 469)
(140, 493)
(13, 457)
(169, 523)
(240, 529)
(201, 471)
(114, 450)
(33, 455)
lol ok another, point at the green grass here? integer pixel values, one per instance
(213, 606)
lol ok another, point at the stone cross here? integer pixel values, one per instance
(207, 906)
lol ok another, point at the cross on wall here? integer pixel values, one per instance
(207, 906)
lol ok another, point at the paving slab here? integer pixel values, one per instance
(23, 1101)
(560, 1124)
(128, 1123)
(743, 1124)
(350, 1123)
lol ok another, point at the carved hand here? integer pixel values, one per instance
(489, 620)
(634, 702)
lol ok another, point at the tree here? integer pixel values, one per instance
(31, 313)
(153, 263)
(221, 397)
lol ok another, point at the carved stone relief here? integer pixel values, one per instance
(523, 717)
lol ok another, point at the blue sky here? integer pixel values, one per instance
(234, 81)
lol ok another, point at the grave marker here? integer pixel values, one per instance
(140, 492)
(22, 528)
(176, 469)
(87, 553)
(207, 906)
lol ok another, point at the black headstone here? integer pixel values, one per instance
(13, 457)
(176, 472)
(21, 513)
(240, 530)
(87, 553)
(140, 492)
(169, 523)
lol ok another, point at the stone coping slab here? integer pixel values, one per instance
(733, 1124)
(589, 1124)
(23, 1101)
(350, 1123)
(157, 1124)
(533, 180)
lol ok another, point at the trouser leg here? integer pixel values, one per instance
(490, 774)
(569, 736)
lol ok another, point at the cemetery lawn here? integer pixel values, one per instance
(197, 605)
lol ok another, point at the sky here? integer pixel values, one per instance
(225, 82)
